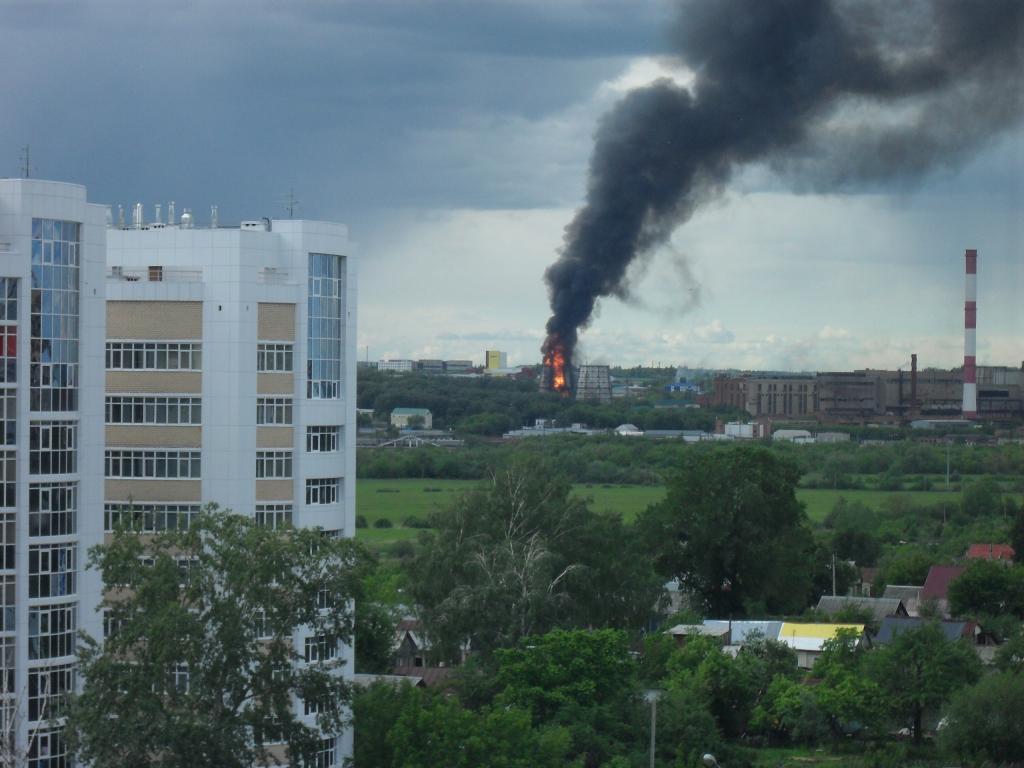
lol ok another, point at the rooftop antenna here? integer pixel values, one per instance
(290, 203)
(26, 161)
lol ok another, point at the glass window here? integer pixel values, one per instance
(322, 490)
(154, 355)
(53, 368)
(273, 410)
(273, 464)
(326, 306)
(322, 439)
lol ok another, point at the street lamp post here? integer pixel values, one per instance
(651, 697)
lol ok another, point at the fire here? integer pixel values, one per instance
(554, 361)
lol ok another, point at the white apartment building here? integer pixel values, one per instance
(231, 377)
(159, 367)
(52, 246)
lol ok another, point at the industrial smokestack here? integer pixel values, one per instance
(970, 408)
(830, 94)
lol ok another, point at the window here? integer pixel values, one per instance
(324, 331)
(53, 370)
(8, 478)
(51, 570)
(171, 464)
(261, 625)
(274, 516)
(8, 354)
(8, 541)
(274, 410)
(9, 298)
(149, 409)
(322, 490)
(154, 356)
(326, 756)
(52, 447)
(48, 688)
(273, 464)
(148, 518)
(52, 509)
(7, 603)
(8, 417)
(274, 357)
(51, 631)
(321, 648)
(111, 625)
(180, 678)
(322, 439)
(7, 678)
(48, 749)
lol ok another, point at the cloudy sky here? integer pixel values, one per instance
(452, 136)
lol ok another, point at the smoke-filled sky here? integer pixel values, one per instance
(454, 136)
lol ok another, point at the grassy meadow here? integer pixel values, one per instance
(397, 500)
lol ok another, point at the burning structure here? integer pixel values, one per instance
(830, 94)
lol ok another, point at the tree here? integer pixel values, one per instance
(199, 666)
(988, 588)
(984, 724)
(919, 670)
(416, 421)
(844, 697)
(521, 555)
(1017, 535)
(733, 533)
(980, 498)
(583, 680)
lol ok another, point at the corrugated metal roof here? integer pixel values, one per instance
(896, 625)
(741, 630)
(936, 586)
(811, 637)
(990, 552)
(880, 607)
(410, 411)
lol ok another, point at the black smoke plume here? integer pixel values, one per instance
(828, 93)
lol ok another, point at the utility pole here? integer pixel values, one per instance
(290, 203)
(26, 161)
(947, 465)
(833, 574)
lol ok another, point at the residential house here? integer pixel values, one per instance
(936, 586)
(1001, 552)
(908, 594)
(808, 640)
(984, 643)
(879, 607)
(681, 633)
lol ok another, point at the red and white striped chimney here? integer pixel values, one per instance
(970, 407)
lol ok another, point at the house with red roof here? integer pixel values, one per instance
(936, 585)
(1003, 552)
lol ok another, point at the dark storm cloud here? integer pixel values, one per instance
(834, 94)
(233, 102)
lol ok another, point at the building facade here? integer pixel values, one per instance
(495, 358)
(150, 371)
(230, 378)
(52, 244)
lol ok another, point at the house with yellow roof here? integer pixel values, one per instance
(808, 639)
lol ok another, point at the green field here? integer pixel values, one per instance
(820, 502)
(398, 499)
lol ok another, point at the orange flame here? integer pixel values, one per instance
(554, 361)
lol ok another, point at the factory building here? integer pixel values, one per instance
(593, 382)
(781, 396)
(495, 359)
